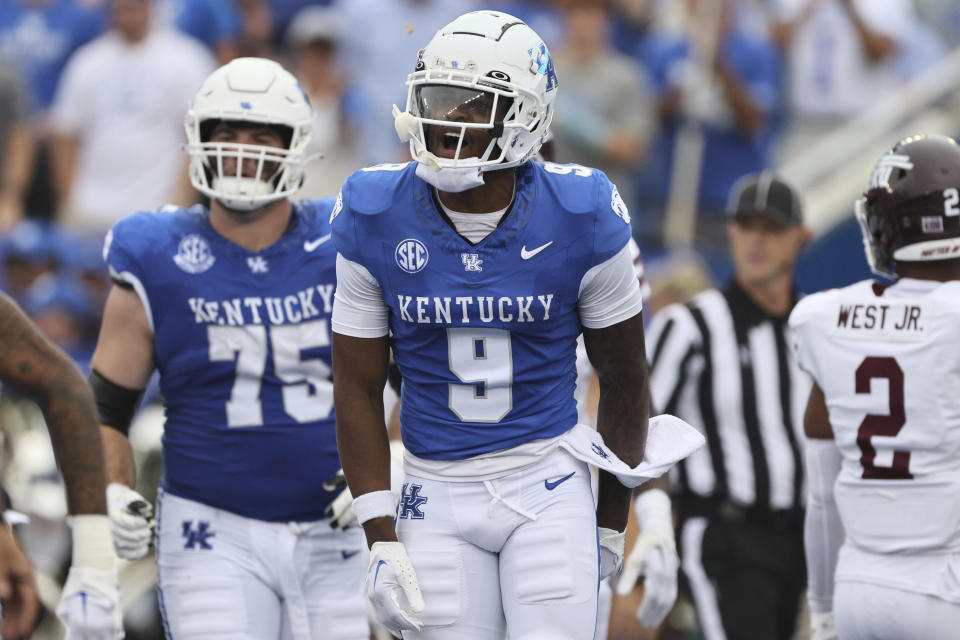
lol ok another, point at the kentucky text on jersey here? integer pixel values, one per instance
(288, 309)
(484, 333)
(242, 343)
(485, 309)
(899, 317)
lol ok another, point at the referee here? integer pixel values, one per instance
(722, 362)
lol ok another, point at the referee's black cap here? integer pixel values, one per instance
(768, 194)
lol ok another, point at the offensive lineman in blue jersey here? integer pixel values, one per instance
(231, 305)
(483, 267)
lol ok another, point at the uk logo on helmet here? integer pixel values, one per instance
(411, 255)
(193, 254)
(543, 63)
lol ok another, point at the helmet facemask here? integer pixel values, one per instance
(248, 93)
(447, 108)
(244, 177)
(878, 234)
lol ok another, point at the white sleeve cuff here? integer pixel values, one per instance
(610, 292)
(823, 529)
(358, 307)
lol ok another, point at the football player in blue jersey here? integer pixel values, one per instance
(480, 268)
(231, 306)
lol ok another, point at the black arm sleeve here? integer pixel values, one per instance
(117, 405)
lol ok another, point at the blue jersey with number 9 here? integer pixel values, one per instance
(242, 343)
(484, 335)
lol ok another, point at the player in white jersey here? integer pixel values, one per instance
(883, 421)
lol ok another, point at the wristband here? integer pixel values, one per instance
(653, 510)
(376, 504)
(92, 541)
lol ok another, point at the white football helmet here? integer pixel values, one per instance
(252, 90)
(485, 70)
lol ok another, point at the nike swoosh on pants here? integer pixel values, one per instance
(556, 483)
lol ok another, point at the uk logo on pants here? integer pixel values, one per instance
(197, 538)
(411, 502)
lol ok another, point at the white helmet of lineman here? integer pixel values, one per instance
(251, 90)
(488, 61)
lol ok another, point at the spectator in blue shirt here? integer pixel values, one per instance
(285, 10)
(39, 35)
(215, 23)
(733, 101)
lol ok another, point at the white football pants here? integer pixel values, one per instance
(220, 575)
(870, 612)
(516, 555)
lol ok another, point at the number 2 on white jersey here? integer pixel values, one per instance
(878, 424)
(483, 359)
(307, 389)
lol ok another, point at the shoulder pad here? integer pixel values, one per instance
(373, 189)
(146, 230)
(574, 187)
(149, 222)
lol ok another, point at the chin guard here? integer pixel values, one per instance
(407, 127)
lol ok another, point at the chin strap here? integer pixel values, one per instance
(429, 167)
(450, 180)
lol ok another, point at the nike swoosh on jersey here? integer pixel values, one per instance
(349, 554)
(310, 245)
(556, 483)
(526, 255)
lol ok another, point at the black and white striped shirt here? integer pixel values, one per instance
(726, 367)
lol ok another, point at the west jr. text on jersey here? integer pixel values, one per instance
(868, 316)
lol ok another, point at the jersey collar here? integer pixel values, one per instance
(431, 215)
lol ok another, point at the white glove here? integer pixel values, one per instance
(654, 556)
(611, 551)
(90, 605)
(131, 521)
(392, 588)
(821, 626)
(90, 601)
(340, 510)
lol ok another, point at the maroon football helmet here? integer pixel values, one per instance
(911, 209)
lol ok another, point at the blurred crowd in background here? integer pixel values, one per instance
(673, 99)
